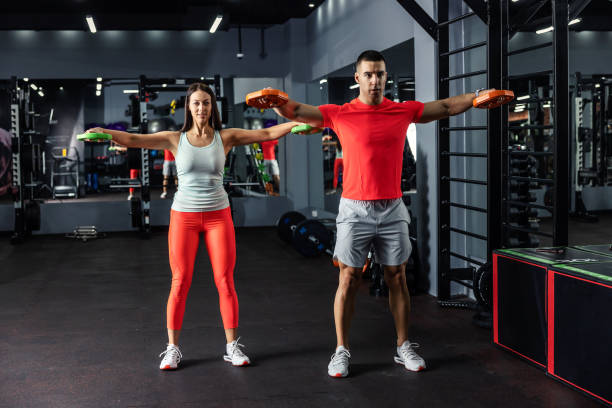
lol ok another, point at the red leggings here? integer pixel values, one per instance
(183, 240)
(338, 166)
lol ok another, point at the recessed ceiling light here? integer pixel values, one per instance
(545, 30)
(215, 24)
(91, 24)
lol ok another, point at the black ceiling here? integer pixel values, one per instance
(148, 15)
(199, 14)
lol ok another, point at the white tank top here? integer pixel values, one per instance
(200, 176)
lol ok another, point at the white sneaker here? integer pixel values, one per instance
(339, 365)
(172, 357)
(234, 354)
(163, 195)
(409, 358)
(130, 197)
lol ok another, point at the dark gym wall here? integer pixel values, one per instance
(80, 54)
(590, 52)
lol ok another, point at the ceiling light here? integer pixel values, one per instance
(26, 79)
(98, 87)
(521, 98)
(41, 93)
(546, 105)
(354, 86)
(216, 23)
(98, 93)
(90, 23)
(34, 87)
(390, 81)
(99, 79)
(597, 85)
(311, 5)
(164, 85)
(322, 81)
(515, 1)
(201, 78)
(130, 91)
(545, 30)
(61, 88)
(574, 21)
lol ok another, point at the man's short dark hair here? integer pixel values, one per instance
(369, 55)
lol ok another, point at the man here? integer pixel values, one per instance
(269, 157)
(169, 170)
(372, 131)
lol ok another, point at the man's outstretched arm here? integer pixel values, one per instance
(444, 108)
(301, 112)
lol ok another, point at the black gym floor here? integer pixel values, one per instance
(83, 324)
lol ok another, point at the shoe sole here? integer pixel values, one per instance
(168, 368)
(419, 368)
(338, 375)
(229, 360)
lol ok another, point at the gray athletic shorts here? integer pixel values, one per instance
(382, 224)
(272, 167)
(169, 169)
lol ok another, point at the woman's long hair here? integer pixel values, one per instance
(215, 119)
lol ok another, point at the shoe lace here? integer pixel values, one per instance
(340, 358)
(173, 352)
(407, 351)
(235, 349)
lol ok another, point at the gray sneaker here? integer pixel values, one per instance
(234, 354)
(409, 358)
(339, 365)
(172, 357)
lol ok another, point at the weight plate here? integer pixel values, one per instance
(285, 222)
(311, 238)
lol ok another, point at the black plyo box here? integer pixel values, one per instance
(605, 249)
(580, 327)
(520, 297)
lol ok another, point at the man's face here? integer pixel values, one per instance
(371, 77)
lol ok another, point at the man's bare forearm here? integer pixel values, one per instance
(288, 110)
(459, 104)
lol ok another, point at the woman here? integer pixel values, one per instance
(200, 205)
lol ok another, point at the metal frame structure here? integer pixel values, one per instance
(500, 30)
(446, 273)
(27, 209)
(560, 126)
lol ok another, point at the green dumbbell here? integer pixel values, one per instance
(94, 137)
(305, 130)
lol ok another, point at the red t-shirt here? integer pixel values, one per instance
(268, 149)
(168, 156)
(372, 138)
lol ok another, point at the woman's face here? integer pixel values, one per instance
(200, 107)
